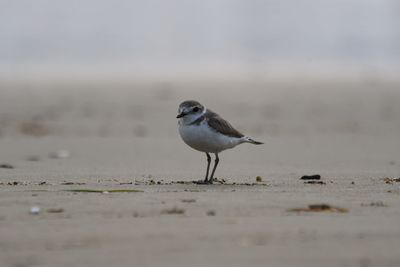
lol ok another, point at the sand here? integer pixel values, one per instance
(124, 136)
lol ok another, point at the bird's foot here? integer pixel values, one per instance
(219, 181)
(203, 182)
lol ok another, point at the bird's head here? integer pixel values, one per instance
(190, 110)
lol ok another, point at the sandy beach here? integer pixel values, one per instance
(60, 138)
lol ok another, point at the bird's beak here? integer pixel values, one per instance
(180, 115)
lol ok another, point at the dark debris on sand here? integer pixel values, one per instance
(315, 182)
(319, 208)
(16, 183)
(174, 210)
(374, 204)
(6, 166)
(391, 180)
(312, 179)
(73, 183)
(215, 182)
(188, 200)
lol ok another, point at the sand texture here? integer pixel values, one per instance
(59, 139)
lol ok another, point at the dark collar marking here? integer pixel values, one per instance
(198, 120)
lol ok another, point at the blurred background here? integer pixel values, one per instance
(210, 37)
(119, 67)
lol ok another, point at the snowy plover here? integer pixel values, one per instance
(205, 131)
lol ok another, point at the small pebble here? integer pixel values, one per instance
(211, 213)
(259, 179)
(35, 210)
(55, 210)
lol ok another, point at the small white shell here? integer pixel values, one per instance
(35, 210)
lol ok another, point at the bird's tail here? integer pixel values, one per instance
(251, 141)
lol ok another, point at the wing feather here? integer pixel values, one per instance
(220, 125)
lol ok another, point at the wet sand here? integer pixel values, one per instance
(124, 136)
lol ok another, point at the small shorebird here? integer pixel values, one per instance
(205, 131)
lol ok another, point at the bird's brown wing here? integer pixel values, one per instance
(220, 125)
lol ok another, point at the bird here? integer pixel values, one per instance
(206, 131)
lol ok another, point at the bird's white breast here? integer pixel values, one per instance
(201, 137)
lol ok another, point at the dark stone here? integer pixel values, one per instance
(311, 177)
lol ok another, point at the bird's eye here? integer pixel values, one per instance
(195, 109)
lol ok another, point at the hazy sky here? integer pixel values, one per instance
(168, 32)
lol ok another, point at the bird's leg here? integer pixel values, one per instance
(208, 167)
(215, 167)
